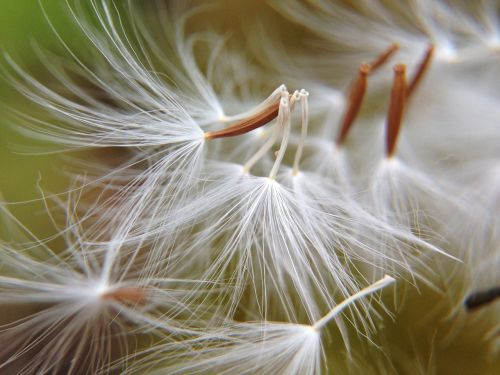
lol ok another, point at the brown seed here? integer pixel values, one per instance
(396, 108)
(356, 95)
(128, 295)
(246, 125)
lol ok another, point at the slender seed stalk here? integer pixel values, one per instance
(246, 125)
(422, 68)
(272, 138)
(381, 59)
(396, 109)
(303, 131)
(358, 90)
(287, 107)
(380, 284)
(356, 95)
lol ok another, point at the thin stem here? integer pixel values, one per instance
(396, 108)
(422, 68)
(358, 90)
(287, 105)
(265, 148)
(384, 56)
(246, 125)
(303, 132)
(272, 138)
(271, 99)
(356, 95)
(380, 284)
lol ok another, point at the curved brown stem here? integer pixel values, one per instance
(246, 125)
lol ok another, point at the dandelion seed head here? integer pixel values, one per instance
(244, 212)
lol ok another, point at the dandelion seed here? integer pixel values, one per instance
(147, 114)
(223, 213)
(248, 348)
(254, 120)
(396, 108)
(85, 310)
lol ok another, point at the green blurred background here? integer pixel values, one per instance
(22, 162)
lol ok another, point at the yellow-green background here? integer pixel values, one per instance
(22, 23)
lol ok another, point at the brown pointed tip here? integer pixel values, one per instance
(248, 124)
(396, 108)
(381, 59)
(355, 99)
(422, 68)
(128, 295)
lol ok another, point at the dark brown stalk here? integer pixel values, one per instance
(356, 95)
(246, 125)
(396, 108)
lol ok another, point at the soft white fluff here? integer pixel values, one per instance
(253, 347)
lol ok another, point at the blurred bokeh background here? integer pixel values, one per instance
(25, 166)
